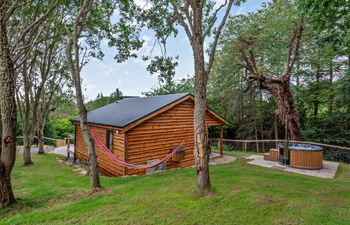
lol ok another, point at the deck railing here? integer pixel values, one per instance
(331, 152)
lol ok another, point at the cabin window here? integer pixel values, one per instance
(110, 140)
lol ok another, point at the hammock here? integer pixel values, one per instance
(129, 165)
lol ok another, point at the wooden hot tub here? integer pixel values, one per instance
(304, 156)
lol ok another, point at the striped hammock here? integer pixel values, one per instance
(115, 158)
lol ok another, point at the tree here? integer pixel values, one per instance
(91, 23)
(39, 76)
(74, 65)
(8, 113)
(19, 31)
(330, 19)
(199, 20)
(179, 86)
(269, 67)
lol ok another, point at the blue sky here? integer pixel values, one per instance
(131, 77)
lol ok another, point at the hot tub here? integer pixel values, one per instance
(303, 156)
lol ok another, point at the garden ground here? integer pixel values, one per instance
(49, 192)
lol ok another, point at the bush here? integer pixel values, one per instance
(58, 128)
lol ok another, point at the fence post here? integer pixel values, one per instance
(68, 146)
(245, 146)
(221, 138)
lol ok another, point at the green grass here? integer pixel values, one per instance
(50, 193)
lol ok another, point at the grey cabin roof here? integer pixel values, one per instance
(128, 110)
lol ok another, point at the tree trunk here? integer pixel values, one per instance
(72, 49)
(8, 114)
(285, 107)
(27, 159)
(349, 86)
(316, 102)
(331, 97)
(262, 128)
(276, 130)
(201, 150)
(27, 142)
(95, 180)
(255, 123)
(41, 137)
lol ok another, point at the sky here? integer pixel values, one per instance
(131, 77)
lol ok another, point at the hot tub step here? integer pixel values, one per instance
(266, 156)
(273, 155)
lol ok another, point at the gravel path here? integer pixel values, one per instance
(49, 149)
(62, 150)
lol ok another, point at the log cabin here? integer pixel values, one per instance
(142, 130)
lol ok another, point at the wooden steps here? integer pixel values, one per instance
(273, 155)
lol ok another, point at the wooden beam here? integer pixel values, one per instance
(221, 138)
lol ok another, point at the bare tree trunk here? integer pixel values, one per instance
(27, 143)
(286, 108)
(40, 131)
(0, 133)
(316, 102)
(349, 85)
(201, 150)
(74, 68)
(262, 127)
(331, 97)
(8, 114)
(276, 130)
(255, 123)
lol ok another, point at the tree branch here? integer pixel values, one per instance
(214, 18)
(293, 49)
(217, 36)
(13, 8)
(36, 22)
(181, 20)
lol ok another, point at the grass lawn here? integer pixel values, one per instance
(50, 193)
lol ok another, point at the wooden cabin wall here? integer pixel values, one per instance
(105, 164)
(154, 138)
(212, 121)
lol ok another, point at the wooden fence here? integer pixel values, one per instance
(48, 141)
(331, 152)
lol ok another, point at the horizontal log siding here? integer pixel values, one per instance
(105, 164)
(154, 138)
(213, 121)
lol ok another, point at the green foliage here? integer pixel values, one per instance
(58, 128)
(104, 100)
(320, 80)
(184, 85)
(331, 20)
(98, 102)
(225, 147)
